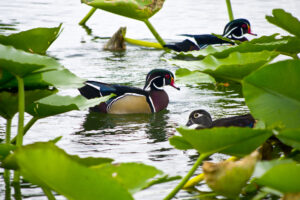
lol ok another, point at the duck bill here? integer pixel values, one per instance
(189, 123)
(173, 85)
(249, 31)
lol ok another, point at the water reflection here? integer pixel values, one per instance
(8, 26)
(155, 125)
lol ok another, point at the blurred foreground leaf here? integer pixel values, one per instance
(272, 93)
(233, 141)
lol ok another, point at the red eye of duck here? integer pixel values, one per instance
(167, 76)
(244, 26)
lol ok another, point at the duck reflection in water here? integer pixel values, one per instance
(155, 125)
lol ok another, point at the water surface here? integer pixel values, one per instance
(131, 138)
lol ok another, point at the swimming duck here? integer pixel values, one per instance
(152, 98)
(200, 119)
(235, 30)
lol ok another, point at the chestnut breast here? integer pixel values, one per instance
(160, 99)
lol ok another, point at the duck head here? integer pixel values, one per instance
(235, 29)
(157, 78)
(199, 119)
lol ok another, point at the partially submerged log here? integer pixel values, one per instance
(117, 42)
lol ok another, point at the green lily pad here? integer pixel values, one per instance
(234, 141)
(35, 40)
(48, 166)
(133, 176)
(202, 53)
(282, 175)
(57, 78)
(235, 67)
(56, 104)
(21, 63)
(272, 93)
(5, 150)
(290, 137)
(9, 101)
(285, 21)
(136, 9)
(186, 76)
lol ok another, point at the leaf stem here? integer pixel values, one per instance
(154, 32)
(87, 17)
(48, 193)
(7, 184)
(187, 177)
(17, 186)
(229, 9)
(143, 43)
(8, 131)
(26, 128)
(21, 104)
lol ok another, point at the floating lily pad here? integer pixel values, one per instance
(234, 67)
(192, 77)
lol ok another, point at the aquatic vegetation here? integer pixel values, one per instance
(29, 83)
(272, 95)
(135, 9)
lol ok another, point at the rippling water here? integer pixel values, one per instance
(131, 138)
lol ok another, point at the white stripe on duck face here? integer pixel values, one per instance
(229, 32)
(162, 87)
(241, 36)
(153, 84)
(96, 87)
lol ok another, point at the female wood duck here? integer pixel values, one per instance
(128, 100)
(235, 30)
(200, 119)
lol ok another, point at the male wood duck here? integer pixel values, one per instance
(152, 98)
(200, 119)
(235, 30)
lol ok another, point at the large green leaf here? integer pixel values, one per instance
(235, 67)
(186, 76)
(136, 9)
(272, 93)
(9, 100)
(233, 141)
(21, 63)
(5, 150)
(57, 78)
(133, 176)
(290, 137)
(48, 166)
(202, 53)
(35, 40)
(282, 175)
(56, 104)
(285, 21)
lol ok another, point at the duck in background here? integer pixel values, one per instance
(128, 100)
(234, 30)
(200, 119)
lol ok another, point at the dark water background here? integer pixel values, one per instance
(132, 138)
